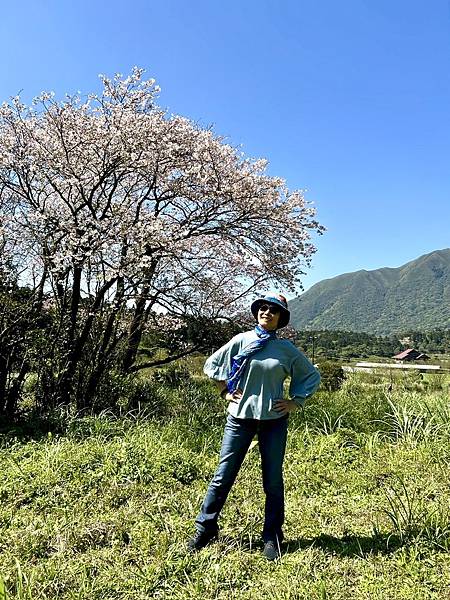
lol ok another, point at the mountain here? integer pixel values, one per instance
(384, 301)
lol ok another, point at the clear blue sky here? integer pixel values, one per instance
(350, 100)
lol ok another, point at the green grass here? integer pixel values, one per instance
(103, 510)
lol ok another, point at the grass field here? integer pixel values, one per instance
(101, 507)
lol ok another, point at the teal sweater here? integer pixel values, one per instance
(264, 374)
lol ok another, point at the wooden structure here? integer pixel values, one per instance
(411, 354)
(372, 366)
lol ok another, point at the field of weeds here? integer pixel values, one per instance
(101, 507)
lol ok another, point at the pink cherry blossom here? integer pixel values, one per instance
(126, 209)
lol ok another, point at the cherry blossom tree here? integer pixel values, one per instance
(113, 209)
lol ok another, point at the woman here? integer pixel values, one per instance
(249, 371)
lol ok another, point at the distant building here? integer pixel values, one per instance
(411, 354)
(370, 367)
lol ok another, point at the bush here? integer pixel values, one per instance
(121, 393)
(173, 376)
(332, 375)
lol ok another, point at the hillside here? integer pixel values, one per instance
(384, 301)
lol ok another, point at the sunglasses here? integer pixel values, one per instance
(274, 310)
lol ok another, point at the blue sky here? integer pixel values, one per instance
(348, 100)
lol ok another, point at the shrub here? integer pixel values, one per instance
(121, 393)
(172, 376)
(436, 382)
(332, 375)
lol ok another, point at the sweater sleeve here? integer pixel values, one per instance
(305, 379)
(218, 365)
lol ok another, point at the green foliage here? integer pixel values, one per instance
(434, 340)
(200, 333)
(34, 364)
(103, 508)
(172, 376)
(405, 424)
(21, 326)
(332, 375)
(2, 589)
(412, 517)
(345, 345)
(381, 302)
(354, 407)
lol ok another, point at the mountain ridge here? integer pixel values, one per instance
(381, 301)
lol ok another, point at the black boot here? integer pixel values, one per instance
(271, 550)
(201, 539)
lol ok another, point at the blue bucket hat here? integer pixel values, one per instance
(273, 299)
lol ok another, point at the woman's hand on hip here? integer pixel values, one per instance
(235, 396)
(284, 407)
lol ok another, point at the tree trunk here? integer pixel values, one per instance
(66, 382)
(135, 331)
(106, 348)
(3, 382)
(13, 394)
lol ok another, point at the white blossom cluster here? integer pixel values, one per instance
(114, 187)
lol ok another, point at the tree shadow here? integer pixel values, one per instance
(28, 428)
(243, 542)
(357, 546)
(348, 545)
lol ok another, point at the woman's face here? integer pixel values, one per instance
(268, 316)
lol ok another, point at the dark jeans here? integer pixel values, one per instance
(238, 434)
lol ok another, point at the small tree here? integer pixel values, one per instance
(332, 375)
(120, 209)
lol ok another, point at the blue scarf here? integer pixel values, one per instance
(241, 359)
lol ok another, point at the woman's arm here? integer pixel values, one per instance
(218, 365)
(305, 379)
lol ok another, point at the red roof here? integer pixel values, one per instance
(405, 353)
